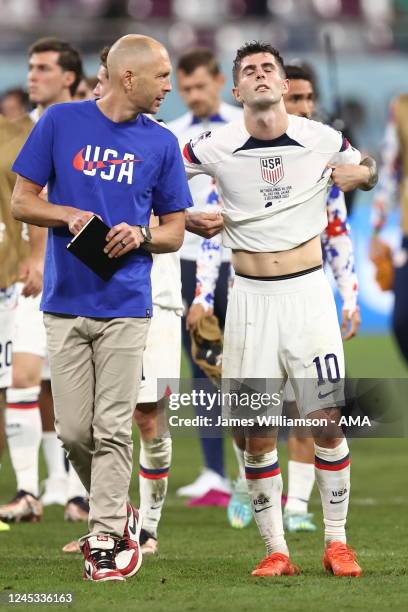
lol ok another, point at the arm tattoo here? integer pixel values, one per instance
(371, 164)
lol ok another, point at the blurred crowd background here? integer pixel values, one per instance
(358, 49)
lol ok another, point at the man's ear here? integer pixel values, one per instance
(220, 78)
(69, 78)
(236, 94)
(127, 80)
(285, 86)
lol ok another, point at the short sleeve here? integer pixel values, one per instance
(347, 154)
(171, 192)
(35, 160)
(196, 155)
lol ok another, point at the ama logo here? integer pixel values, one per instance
(90, 160)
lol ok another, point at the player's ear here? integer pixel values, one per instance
(236, 94)
(69, 78)
(285, 86)
(220, 78)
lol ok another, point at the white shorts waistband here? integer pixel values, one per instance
(295, 284)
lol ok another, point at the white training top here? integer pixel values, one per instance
(274, 192)
(188, 127)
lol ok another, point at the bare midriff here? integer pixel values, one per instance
(305, 256)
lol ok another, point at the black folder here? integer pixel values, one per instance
(88, 246)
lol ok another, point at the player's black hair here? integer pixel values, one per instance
(68, 57)
(250, 48)
(195, 58)
(298, 73)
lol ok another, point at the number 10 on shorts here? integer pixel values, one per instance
(329, 370)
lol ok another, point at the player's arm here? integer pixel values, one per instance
(348, 177)
(207, 272)
(198, 159)
(386, 194)
(338, 251)
(31, 269)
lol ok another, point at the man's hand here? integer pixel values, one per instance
(122, 239)
(31, 274)
(378, 249)
(350, 323)
(195, 313)
(76, 219)
(204, 224)
(348, 176)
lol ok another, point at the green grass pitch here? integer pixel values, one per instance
(204, 565)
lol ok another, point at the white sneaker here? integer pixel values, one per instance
(55, 491)
(207, 480)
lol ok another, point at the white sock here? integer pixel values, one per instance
(54, 455)
(23, 428)
(155, 459)
(301, 477)
(75, 487)
(265, 485)
(239, 454)
(333, 479)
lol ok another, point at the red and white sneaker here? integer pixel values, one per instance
(128, 552)
(99, 554)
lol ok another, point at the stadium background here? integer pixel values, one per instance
(204, 564)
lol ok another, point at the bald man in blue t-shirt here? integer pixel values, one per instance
(106, 158)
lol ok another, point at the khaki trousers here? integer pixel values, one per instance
(96, 368)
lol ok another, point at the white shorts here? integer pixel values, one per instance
(29, 332)
(8, 309)
(279, 329)
(162, 356)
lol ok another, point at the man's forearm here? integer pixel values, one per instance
(372, 180)
(168, 236)
(30, 208)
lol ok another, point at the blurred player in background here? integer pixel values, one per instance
(20, 247)
(338, 252)
(281, 319)
(200, 83)
(393, 190)
(85, 89)
(14, 104)
(55, 69)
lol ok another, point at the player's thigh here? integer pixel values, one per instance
(27, 369)
(29, 331)
(72, 374)
(251, 336)
(8, 300)
(161, 357)
(314, 356)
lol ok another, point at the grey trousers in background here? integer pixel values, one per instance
(96, 368)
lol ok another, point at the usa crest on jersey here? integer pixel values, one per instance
(272, 169)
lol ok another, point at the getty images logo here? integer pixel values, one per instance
(107, 162)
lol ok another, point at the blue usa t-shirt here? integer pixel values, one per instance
(120, 171)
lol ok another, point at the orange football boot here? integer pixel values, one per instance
(341, 560)
(276, 564)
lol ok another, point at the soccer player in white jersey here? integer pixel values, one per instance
(273, 172)
(55, 69)
(200, 83)
(338, 253)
